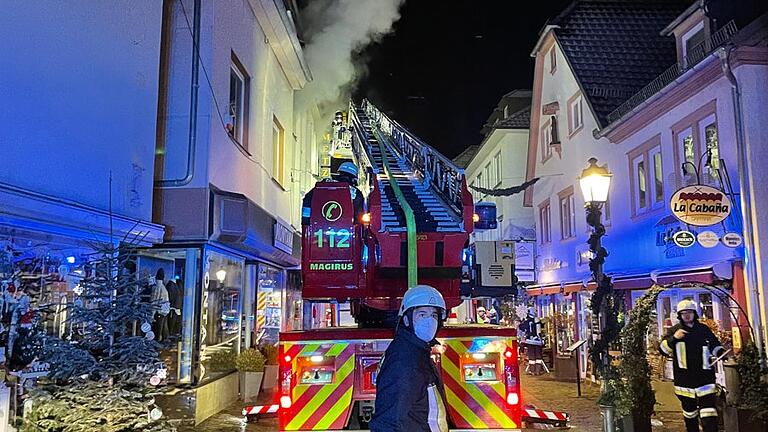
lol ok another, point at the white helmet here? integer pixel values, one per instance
(687, 304)
(422, 295)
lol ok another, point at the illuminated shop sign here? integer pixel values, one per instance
(700, 205)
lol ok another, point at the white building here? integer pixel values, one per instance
(600, 107)
(500, 162)
(236, 151)
(79, 106)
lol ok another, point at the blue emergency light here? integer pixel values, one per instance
(486, 216)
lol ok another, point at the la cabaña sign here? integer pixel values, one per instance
(700, 205)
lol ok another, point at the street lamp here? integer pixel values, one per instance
(595, 181)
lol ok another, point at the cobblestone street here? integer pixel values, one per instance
(544, 392)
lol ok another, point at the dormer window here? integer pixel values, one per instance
(506, 111)
(693, 45)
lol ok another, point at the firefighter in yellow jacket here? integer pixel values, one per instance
(693, 346)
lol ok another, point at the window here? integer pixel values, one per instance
(552, 60)
(640, 181)
(575, 121)
(489, 175)
(278, 149)
(697, 146)
(239, 82)
(544, 222)
(693, 48)
(506, 111)
(546, 142)
(480, 180)
(711, 145)
(567, 214)
(658, 175)
(688, 151)
(497, 167)
(554, 135)
(647, 176)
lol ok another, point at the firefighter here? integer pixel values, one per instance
(346, 173)
(534, 343)
(409, 392)
(692, 347)
(482, 315)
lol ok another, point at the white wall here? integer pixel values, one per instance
(78, 84)
(230, 26)
(512, 144)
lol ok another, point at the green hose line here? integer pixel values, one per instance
(410, 221)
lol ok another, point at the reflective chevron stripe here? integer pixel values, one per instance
(480, 404)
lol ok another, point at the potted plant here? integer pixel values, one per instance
(750, 412)
(222, 361)
(250, 364)
(270, 369)
(636, 397)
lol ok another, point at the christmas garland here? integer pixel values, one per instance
(634, 391)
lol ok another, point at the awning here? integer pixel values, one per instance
(703, 273)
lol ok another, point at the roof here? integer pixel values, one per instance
(463, 159)
(518, 120)
(514, 101)
(614, 47)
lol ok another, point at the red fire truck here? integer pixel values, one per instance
(416, 230)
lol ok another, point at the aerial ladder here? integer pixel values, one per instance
(416, 231)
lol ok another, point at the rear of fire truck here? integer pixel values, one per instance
(416, 231)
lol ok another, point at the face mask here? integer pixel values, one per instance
(425, 329)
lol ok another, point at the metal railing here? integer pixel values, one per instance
(693, 57)
(439, 171)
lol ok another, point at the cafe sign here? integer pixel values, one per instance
(700, 205)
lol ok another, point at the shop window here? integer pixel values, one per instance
(269, 303)
(278, 151)
(565, 323)
(706, 306)
(181, 268)
(220, 313)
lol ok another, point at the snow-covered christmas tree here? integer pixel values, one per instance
(105, 370)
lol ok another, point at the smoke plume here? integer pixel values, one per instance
(337, 30)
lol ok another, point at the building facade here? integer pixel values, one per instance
(78, 124)
(236, 150)
(643, 135)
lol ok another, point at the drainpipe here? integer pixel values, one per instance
(745, 198)
(194, 87)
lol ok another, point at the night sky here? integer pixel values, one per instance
(448, 62)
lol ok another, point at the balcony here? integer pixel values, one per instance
(694, 57)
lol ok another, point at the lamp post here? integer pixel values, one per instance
(595, 182)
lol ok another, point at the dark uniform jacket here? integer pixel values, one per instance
(692, 355)
(408, 388)
(531, 326)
